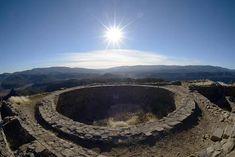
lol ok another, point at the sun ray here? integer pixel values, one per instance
(114, 34)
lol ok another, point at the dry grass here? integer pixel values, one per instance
(20, 100)
(127, 120)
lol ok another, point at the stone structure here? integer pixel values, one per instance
(94, 135)
(224, 139)
(59, 130)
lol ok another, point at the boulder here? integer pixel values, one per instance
(217, 135)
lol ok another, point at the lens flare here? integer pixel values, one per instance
(114, 35)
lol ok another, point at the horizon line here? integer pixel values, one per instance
(74, 67)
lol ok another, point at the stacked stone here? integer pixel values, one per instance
(46, 142)
(224, 143)
(225, 116)
(116, 136)
(4, 148)
(224, 138)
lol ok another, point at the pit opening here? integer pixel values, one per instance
(219, 95)
(116, 106)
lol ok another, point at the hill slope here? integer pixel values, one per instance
(44, 75)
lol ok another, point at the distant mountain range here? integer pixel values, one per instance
(52, 74)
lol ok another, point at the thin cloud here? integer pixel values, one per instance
(120, 57)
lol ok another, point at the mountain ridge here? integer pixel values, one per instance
(168, 72)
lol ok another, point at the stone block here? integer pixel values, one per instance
(229, 146)
(210, 150)
(202, 153)
(159, 129)
(227, 132)
(173, 123)
(217, 135)
(216, 153)
(233, 132)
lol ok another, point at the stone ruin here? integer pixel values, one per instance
(74, 122)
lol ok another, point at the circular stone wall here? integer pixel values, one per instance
(132, 104)
(64, 112)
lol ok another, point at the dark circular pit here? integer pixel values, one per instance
(122, 104)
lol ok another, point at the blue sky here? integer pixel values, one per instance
(69, 33)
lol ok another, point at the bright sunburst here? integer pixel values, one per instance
(114, 35)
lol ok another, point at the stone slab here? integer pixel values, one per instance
(227, 132)
(217, 135)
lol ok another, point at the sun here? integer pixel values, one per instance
(114, 35)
